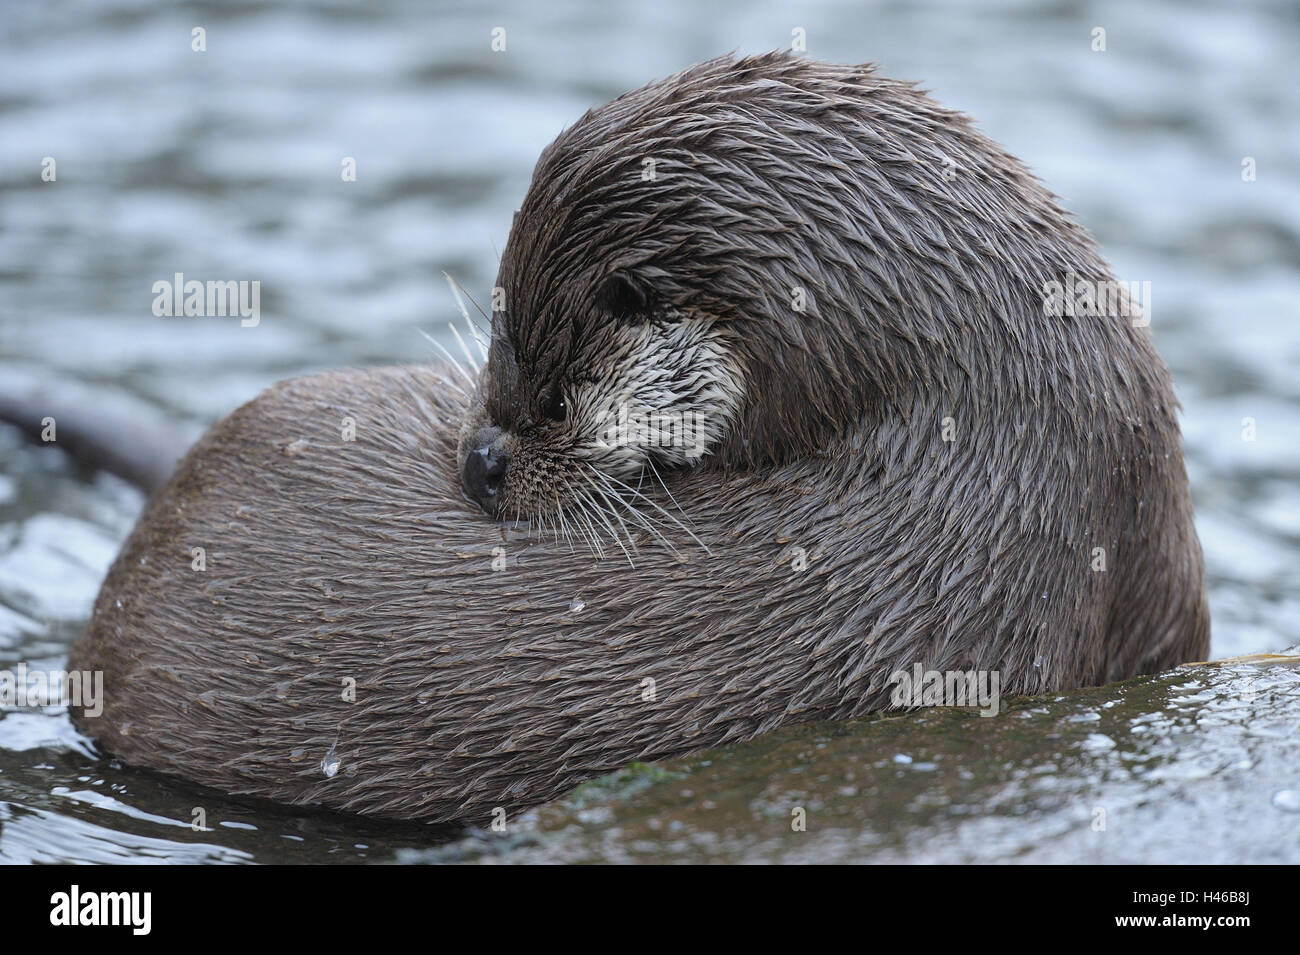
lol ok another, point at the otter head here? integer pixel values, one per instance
(617, 386)
(681, 288)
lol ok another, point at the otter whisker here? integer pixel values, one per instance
(451, 358)
(481, 336)
(469, 358)
(605, 491)
(650, 465)
(557, 523)
(599, 512)
(643, 520)
(564, 524)
(478, 308)
(543, 523)
(567, 527)
(591, 535)
(690, 533)
(614, 511)
(576, 524)
(473, 329)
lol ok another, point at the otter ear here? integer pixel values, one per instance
(625, 295)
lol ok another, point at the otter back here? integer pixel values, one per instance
(491, 672)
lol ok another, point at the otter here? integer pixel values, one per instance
(427, 594)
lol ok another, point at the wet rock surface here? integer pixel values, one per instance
(1198, 765)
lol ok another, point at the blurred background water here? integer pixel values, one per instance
(226, 164)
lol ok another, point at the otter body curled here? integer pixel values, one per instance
(895, 457)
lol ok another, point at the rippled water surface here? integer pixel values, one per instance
(226, 163)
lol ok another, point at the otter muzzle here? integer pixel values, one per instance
(484, 469)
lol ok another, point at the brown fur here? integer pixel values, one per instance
(476, 688)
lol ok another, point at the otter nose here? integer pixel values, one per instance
(485, 467)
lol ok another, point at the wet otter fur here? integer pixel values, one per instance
(918, 466)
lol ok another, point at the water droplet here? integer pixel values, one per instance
(330, 764)
(1288, 800)
(1038, 663)
(576, 605)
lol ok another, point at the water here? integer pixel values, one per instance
(227, 163)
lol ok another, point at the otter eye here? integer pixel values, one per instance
(556, 408)
(624, 296)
